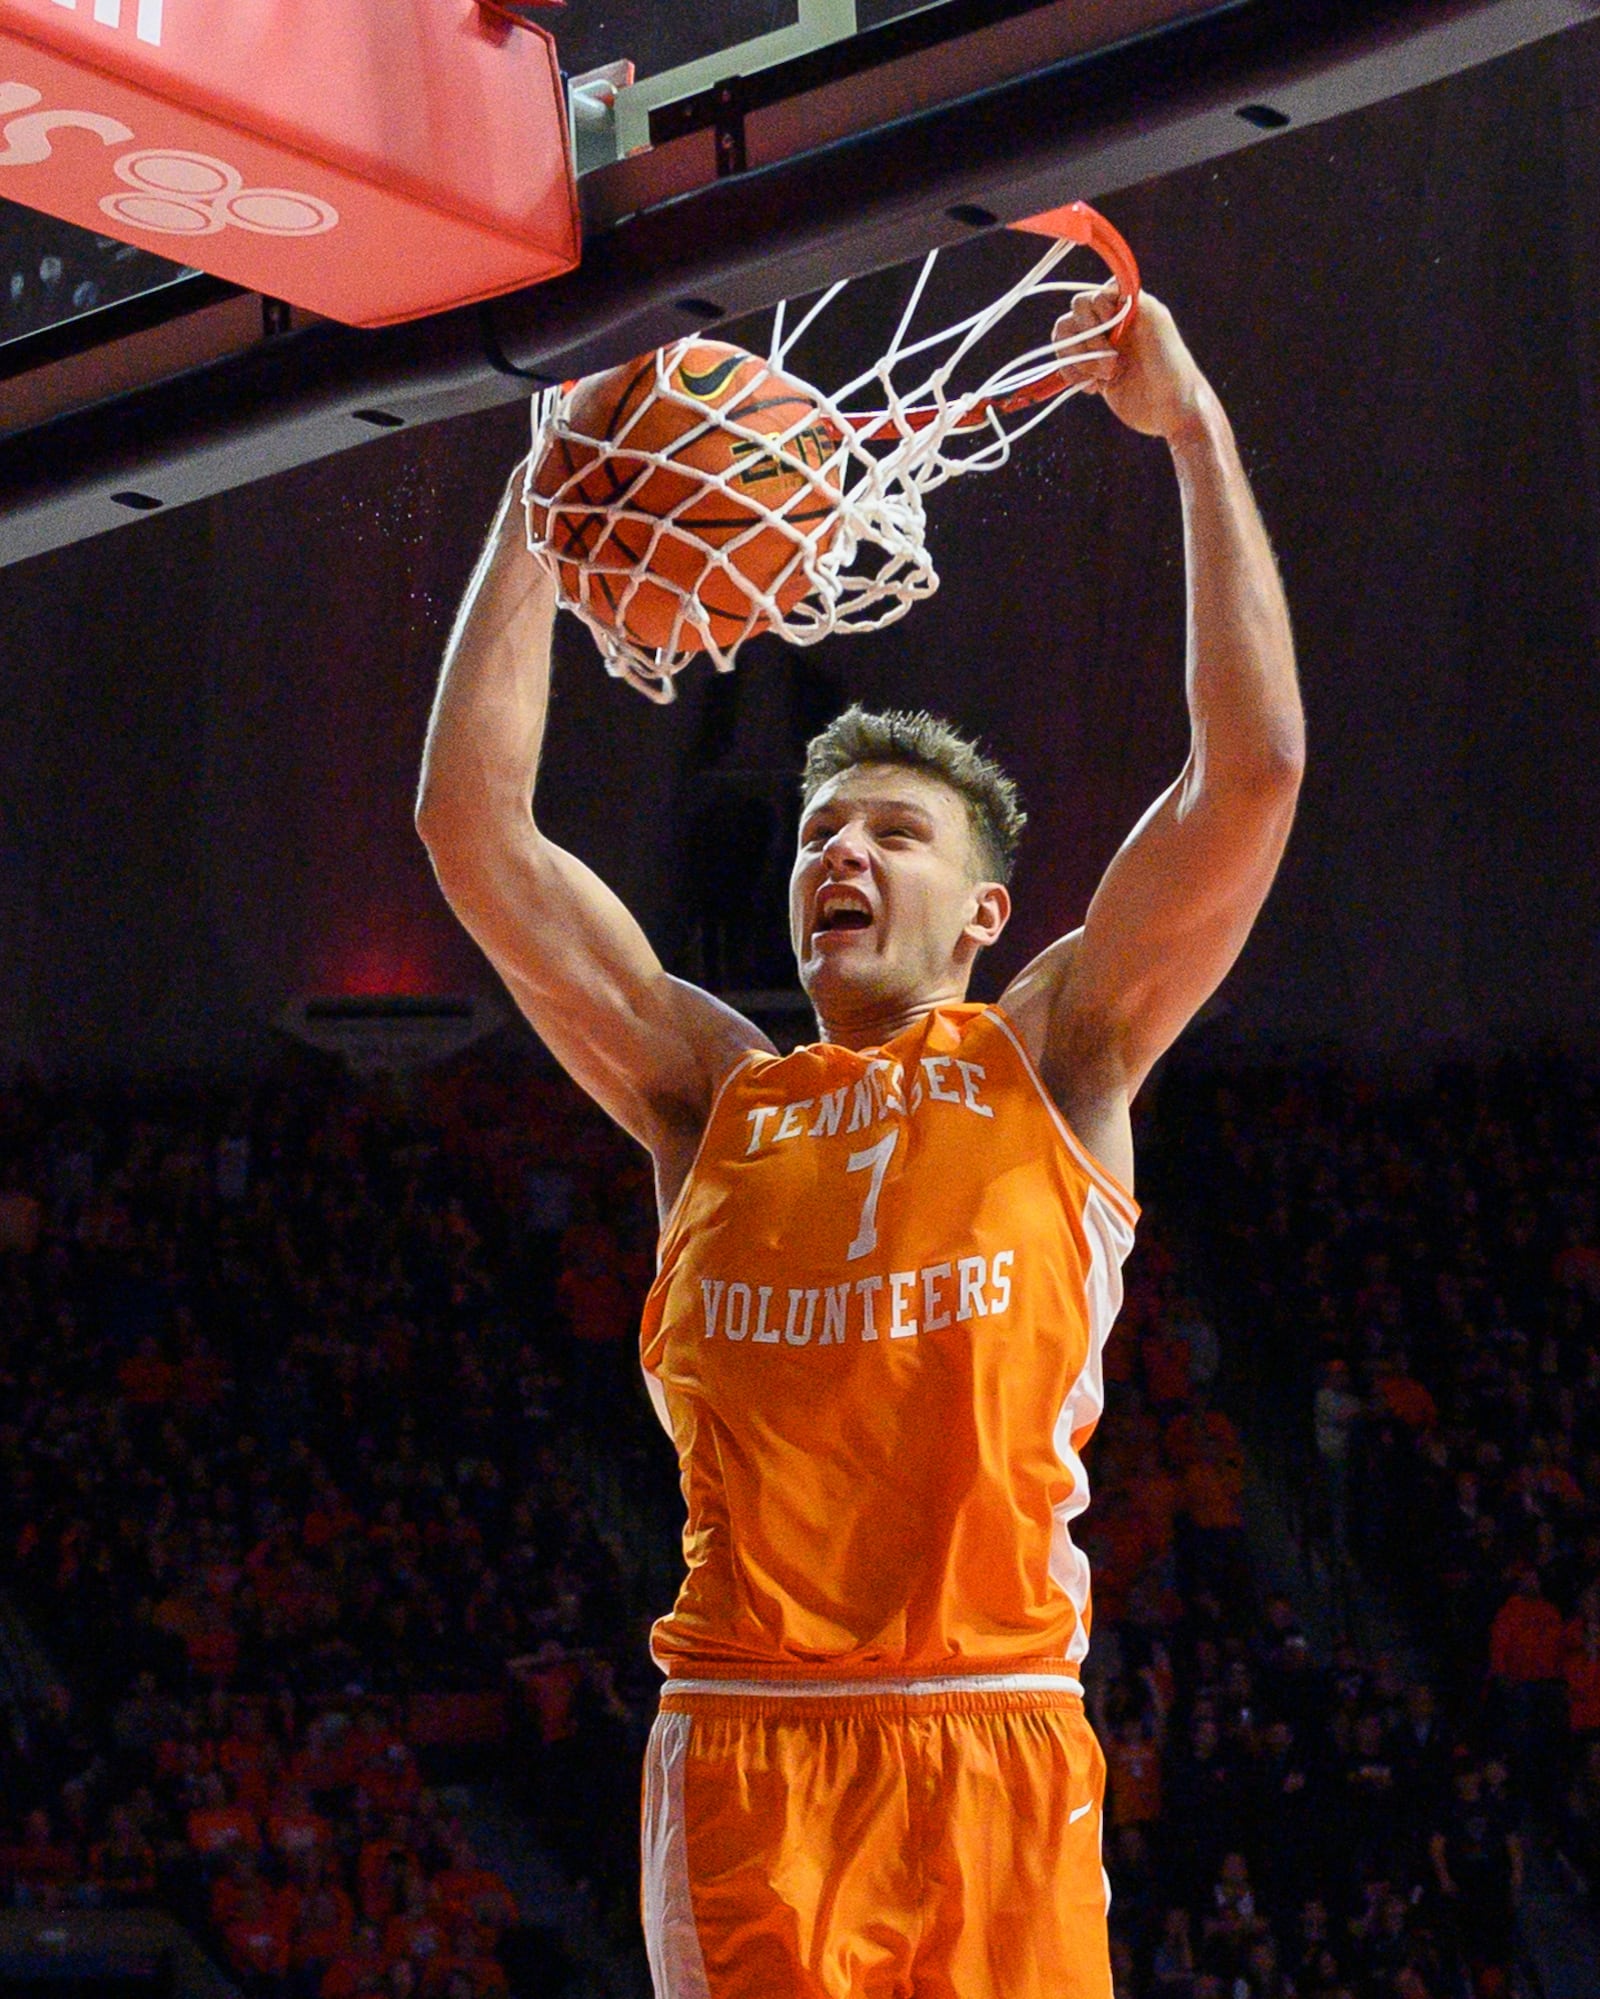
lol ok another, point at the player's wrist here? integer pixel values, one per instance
(1198, 423)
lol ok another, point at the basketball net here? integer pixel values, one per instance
(894, 434)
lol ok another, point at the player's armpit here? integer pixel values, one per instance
(1167, 922)
(649, 1048)
(1075, 1053)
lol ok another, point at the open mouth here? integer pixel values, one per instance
(843, 910)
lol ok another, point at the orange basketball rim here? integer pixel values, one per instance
(701, 495)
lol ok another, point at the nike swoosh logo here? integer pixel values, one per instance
(1082, 1811)
(707, 387)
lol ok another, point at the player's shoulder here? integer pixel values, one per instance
(718, 1043)
(1041, 994)
(720, 1037)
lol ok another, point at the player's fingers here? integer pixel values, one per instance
(1090, 311)
(1080, 327)
(1095, 306)
(1079, 341)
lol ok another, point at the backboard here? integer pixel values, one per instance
(680, 65)
(729, 154)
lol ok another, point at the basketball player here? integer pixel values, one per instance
(888, 1264)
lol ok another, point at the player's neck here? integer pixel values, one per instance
(871, 1026)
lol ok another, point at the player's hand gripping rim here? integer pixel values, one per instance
(1151, 380)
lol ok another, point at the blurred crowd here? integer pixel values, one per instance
(325, 1465)
(294, 1385)
(1280, 1821)
(1418, 1269)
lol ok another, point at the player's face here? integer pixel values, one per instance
(886, 906)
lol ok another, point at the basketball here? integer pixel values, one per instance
(661, 487)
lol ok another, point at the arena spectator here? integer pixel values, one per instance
(1337, 1410)
(1527, 1647)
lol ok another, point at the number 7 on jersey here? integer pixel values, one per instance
(876, 1158)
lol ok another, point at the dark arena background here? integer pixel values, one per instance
(333, 1514)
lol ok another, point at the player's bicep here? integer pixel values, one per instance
(649, 1048)
(1174, 908)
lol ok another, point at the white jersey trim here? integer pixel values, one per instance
(949, 1683)
(672, 1943)
(1110, 1237)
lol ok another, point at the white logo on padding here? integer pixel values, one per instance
(27, 140)
(191, 194)
(167, 192)
(108, 14)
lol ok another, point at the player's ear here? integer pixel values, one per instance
(991, 914)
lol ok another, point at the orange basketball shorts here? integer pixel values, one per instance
(904, 1844)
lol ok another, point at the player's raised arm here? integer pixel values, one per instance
(1177, 902)
(649, 1048)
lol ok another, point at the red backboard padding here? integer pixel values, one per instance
(372, 160)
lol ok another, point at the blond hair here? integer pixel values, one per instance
(923, 742)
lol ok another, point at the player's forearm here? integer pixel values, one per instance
(1244, 699)
(487, 725)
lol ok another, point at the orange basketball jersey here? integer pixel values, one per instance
(875, 1340)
